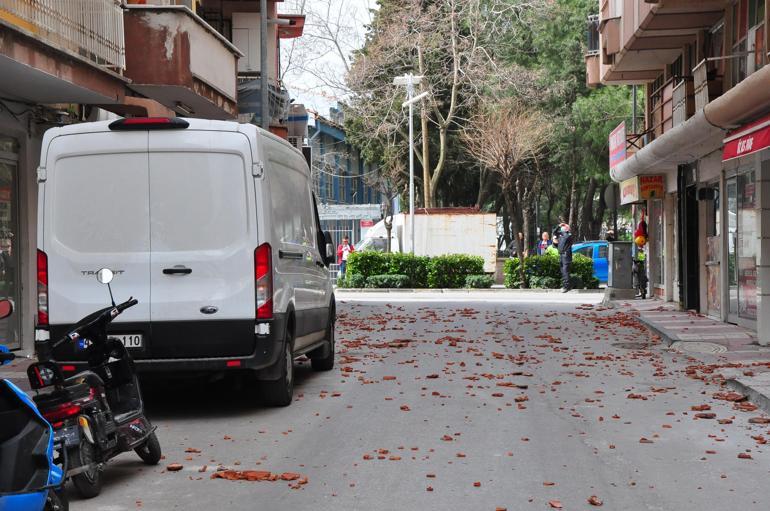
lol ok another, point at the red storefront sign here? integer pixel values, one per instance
(750, 139)
(618, 145)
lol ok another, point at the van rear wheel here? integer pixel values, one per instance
(281, 391)
(322, 359)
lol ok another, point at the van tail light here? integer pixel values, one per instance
(263, 279)
(149, 123)
(42, 288)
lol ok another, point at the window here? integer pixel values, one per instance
(748, 41)
(603, 251)
(586, 251)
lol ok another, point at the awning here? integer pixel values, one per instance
(748, 140)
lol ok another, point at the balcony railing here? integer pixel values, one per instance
(90, 29)
(592, 35)
(707, 85)
(684, 102)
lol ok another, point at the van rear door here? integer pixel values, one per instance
(202, 237)
(96, 214)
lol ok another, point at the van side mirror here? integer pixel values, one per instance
(329, 254)
(6, 308)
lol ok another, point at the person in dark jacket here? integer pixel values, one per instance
(543, 244)
(564, 242)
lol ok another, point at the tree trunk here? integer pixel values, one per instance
(516, 227)
(587, 215)
(433, 183)
(527, 221)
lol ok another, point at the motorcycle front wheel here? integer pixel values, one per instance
(150, 451)
(89, 483)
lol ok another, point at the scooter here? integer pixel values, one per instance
(97, 413)
(30, 476)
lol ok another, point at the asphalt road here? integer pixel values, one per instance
(458, 403)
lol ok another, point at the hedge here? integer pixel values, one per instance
(544, 272)
(387, 281)
(448, 271)
(479, 281)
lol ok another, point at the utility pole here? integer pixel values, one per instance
(263, 66)
(410, 81)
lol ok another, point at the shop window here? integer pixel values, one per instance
(748, 42)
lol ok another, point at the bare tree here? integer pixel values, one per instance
(507, 138)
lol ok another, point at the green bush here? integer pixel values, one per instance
(449, 271)
(387, 281)
(352, 280)
(479, 281)
(367, 263)
(414, 267)
(544, 272)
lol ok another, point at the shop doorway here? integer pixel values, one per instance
(689, 260)
(10, 287)
(741, 248)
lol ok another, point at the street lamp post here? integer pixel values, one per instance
(410, 81)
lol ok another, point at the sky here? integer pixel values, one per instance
(313, 70)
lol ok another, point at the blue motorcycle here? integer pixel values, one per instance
(30, 476)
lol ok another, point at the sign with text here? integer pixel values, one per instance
(747, 140)
(640, 188)
(618, 145)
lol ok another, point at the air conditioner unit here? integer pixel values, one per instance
(296, 142)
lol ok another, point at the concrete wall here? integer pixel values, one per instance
(763, 259)
(29, 136)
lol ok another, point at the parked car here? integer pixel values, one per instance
(599, 252)
(211, 225)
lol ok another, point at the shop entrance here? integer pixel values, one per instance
(689, 260)
(9, 240)
(741, 248)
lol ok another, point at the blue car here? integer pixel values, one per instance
(599, 252)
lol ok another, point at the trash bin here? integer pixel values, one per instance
(620, 271)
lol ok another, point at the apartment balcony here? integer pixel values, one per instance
(639, 38)
(683, 99)
(62, 52)
(193, 68)
(708, 85)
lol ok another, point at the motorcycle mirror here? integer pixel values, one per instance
(6, 308)
(105, 275)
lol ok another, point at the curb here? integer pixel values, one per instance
(759, 398)
(463, 290)
(665, 336)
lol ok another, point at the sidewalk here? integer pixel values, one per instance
(16, 371)
(731, 353)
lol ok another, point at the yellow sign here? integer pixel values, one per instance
(642, 188)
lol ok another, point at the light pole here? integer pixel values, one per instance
(410, 81)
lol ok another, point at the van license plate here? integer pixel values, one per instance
(130, 340)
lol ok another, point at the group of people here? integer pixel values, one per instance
(558, 242)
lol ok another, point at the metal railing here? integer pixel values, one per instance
(592, 35)
(91, 29)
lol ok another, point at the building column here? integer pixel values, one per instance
(763, 255)
(669, 214)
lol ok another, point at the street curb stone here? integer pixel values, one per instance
(754, 388)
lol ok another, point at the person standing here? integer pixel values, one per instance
(544, 243)
(343, 251)
(565, 255)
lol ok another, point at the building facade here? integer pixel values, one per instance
(83, 60)
(705, 139)
(345, 185)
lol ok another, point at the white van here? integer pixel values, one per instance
(211, 225)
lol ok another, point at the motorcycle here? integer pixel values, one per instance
(30, 476)
(98, 413)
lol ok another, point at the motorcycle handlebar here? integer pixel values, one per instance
(128, 303)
